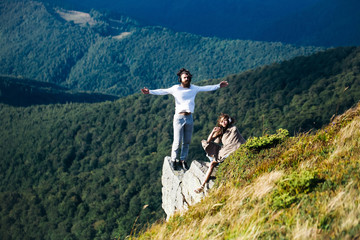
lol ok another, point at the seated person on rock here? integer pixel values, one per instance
(223, 140)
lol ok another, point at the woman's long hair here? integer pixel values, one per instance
(231, 121)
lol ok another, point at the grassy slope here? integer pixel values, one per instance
(305, 188)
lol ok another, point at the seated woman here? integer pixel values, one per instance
(223, 140)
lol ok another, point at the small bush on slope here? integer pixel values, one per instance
(318, 172)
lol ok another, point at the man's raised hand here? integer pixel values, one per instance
(145, 90)
(224, 84)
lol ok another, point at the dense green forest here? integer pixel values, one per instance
(26, 92)
(85, 171)
(114, 54)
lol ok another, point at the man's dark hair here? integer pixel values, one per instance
(181, 71)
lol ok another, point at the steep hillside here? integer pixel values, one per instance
(307, 187)
(85, 171)
(115, 55)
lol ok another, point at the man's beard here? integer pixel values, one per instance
(186, 84)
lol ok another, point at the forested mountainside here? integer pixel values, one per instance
(85, 171)
(308, 22)
(113, 54)
(26, 92)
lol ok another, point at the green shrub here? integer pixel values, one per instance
(267, 141)
(292, 188)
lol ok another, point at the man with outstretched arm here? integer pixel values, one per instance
(184, 94)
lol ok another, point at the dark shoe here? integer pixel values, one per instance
(184, 165)
(173, 165)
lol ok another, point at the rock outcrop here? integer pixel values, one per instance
(178, 186)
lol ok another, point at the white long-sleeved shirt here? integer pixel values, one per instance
(184, 97)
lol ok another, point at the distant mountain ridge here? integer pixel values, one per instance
(326, 23)
(309, 22)
(115, 54)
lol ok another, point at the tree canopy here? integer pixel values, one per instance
(85, 170)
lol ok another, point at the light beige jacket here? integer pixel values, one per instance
(223, 146)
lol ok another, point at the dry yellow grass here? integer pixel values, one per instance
(331, 211)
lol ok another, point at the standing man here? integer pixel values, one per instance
(184, 95)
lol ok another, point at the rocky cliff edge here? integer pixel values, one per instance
(178, 186)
